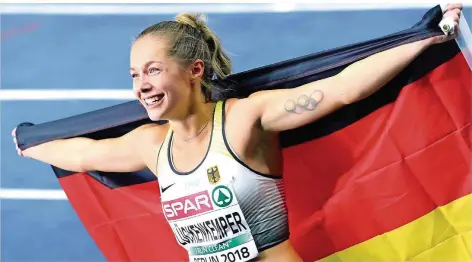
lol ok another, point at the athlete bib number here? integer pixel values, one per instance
(211, 225)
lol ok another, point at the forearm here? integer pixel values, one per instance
(366, 76)
(64, 153)
(280, 110)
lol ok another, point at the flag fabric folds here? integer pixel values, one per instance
(384, 179)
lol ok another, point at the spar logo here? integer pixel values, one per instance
(187, 206)
(222, 196)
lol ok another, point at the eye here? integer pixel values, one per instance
(134, 75)
(153, 70)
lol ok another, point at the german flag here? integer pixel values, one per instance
(384, 179)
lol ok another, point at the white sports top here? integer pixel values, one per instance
(222, 210)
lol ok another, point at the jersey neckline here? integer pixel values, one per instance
(169, 148)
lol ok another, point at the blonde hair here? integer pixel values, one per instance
(190, 39)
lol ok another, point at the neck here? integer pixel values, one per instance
(196, 122)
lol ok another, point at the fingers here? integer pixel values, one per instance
(18, 150)
(13, 134)
(453, 16)
(453, 13)
(454, 6)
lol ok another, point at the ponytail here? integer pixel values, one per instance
(220, 61)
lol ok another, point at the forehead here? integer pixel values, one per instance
(148, 48)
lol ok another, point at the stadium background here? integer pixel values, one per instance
(77, 52)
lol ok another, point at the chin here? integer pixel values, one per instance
(154, 117)
(158, 112)
(153, 114)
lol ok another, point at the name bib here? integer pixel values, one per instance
(210, 224)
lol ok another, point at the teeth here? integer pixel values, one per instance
(153, 100)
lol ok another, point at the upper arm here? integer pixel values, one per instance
(130, 152)
(284, 109)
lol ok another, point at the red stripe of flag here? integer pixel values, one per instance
(386, 170)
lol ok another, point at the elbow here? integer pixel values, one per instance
(80, 165)
(348, 92)
(83, 163)
(348, 98)
(87, 157)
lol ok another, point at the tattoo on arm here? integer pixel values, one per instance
(304, 102)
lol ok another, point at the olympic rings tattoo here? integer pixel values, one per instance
(304, 102)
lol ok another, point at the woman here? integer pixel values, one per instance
(219, 163)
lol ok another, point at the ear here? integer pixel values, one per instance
(197, 69)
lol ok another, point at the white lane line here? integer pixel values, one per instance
(65, 94)
(32, 194)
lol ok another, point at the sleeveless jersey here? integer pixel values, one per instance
(222, 210)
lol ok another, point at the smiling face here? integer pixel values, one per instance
(160, 83)
(173, 64)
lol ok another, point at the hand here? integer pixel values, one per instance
(453, 12)
(13, 133)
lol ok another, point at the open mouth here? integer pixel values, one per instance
(153, 100)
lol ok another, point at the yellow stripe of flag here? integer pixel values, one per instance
(445, 234)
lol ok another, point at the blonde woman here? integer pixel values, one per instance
(239, 214)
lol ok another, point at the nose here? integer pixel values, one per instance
(144, 86)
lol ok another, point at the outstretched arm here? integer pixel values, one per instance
(279, 110)
(130, 152)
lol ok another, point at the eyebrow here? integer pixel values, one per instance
(148, 63)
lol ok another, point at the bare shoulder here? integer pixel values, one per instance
(240, 109)
(242, 126)
(152, 130)
(147, 141)
(149, 134)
